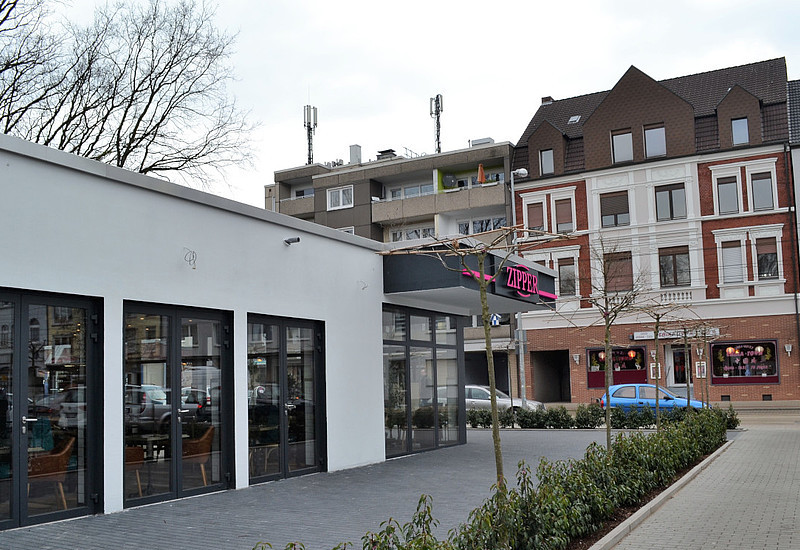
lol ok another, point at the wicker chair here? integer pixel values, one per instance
(198, 451)
(134, 459)
(52, 467)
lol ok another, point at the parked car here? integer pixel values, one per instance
(627, 396)
(479, 397)
(72, 407)
(148, 407)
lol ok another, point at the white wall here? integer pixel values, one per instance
(79, 227)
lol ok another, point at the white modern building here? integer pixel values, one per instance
(158, 342)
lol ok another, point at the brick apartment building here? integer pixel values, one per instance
(683, 188)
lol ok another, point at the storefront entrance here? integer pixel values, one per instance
(177, 378)
(49, 407)
(285, 397)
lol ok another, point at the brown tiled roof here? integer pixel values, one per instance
(794, 111)
(765, 79)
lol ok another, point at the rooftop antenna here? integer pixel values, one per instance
(310, 122)
(437, 106)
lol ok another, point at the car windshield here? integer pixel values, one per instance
(501, 395)
(157, 395)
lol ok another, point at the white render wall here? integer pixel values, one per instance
(75, 226)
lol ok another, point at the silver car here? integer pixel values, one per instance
(478, 397)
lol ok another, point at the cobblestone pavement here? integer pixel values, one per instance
(748, 498)
(318, 510)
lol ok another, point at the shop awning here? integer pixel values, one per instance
(440, 283)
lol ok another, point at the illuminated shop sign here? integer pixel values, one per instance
(516, 281)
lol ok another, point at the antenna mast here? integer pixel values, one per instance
(310, 122)
(437, 106)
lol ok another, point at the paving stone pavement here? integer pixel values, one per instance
(318, 510)
(748, 498)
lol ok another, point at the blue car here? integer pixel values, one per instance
(627, 396)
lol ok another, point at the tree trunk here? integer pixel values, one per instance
(487, 331)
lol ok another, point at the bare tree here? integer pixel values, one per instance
(143, 87)
(29, 59)
(613, 292)
(659, 313)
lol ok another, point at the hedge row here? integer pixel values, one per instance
(586, 417)
(572, 498)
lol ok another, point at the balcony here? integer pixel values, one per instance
(300, 207)
(490, 194)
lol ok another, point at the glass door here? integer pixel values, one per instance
(49, 424)
(174, 403)
(284, 385)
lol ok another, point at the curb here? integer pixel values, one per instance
(623, 529)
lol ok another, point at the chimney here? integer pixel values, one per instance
(547, 100)
(386, 154)
(355, 154)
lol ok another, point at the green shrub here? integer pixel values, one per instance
(479, 418)
(731, 418)
(589, 416)
(507, 418)
(535, 418)
(558, 418)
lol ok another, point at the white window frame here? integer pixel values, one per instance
(728, 235)
(760, 167)
(619, 133)
(541, 162)
(747, 131)
(526, 202)
(725, 171)
(403, 231)
(340, 192)
(652, 128)
(767, 232)
(560, 194)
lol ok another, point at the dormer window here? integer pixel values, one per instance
(546, 161)
(739, 131)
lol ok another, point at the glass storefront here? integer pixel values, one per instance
(49, 373)
(176, 376)
(284, 388)
(422, 381)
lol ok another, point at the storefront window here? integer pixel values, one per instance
(744, 362)
(628, 365)
(422, 381)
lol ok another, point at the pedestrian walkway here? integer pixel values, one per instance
(318, 510)
(747, 498)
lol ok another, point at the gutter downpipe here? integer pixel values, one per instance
(795, 244)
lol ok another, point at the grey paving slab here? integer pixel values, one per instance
(748, 498)
(319, 510)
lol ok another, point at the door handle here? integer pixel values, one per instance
(25, 421)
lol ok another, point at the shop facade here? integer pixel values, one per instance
(158, 342)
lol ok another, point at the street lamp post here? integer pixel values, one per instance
(519, 333)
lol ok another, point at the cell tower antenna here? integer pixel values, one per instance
(437, 106)
(310, 122)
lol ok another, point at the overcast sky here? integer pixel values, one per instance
(371, 68)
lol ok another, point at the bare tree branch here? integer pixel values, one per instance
(143, 87)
